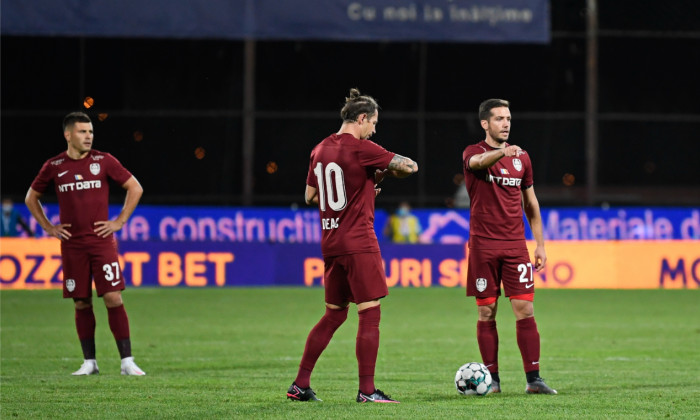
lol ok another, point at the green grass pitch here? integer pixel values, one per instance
(232, 353)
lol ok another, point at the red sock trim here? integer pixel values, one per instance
(486, 301)
(528, 296)
(338, 316)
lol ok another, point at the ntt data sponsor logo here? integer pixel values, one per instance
(502, 180)
(81, 185)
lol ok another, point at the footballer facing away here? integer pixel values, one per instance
(344, 171)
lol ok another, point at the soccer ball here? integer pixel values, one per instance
(473, 379)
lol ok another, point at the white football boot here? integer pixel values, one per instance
(130, 368)
(89, 367)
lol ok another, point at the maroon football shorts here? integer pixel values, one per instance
(488, 268)
(354, 278)
(84, 262)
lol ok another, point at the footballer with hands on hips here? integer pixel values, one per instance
(81, 178)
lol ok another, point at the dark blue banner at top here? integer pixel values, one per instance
(525, 21)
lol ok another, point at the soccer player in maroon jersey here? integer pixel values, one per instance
(344, 171)
(499, 180)
(88, 249)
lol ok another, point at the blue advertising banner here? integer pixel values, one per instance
(445, 226)
(343, 20)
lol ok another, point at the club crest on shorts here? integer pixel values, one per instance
(94, 168)
(481, 284)
(517, 164)
(70, 285)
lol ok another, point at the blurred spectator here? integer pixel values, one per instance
(12, 219)
(461, 197)
(402, 226)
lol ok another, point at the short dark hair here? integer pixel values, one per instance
(357, 104)
(75, 117)
(489, 104)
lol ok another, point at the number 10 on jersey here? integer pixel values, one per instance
(331, 186)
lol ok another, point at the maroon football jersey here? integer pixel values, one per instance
(342, 169)
(496, 202)
(82, 187)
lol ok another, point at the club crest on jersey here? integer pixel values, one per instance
(517, 164)
(481, 284)
(70, 285)
(94, 168)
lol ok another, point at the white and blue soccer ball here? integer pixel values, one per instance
(473, 379)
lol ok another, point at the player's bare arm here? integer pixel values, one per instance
(59, 231)
(534, 218)
(134, 191)
(401, 167)
(311, 195)
(488, 159)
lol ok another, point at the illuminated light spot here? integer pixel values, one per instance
(88, 102)
(102, 116)
(271, 167)
(568, 179)
(138, 135)
(199, 153)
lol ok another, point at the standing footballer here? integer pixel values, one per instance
(88, 249)
(499, 180)
(344, 170)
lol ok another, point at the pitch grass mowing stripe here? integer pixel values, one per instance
(232, 353)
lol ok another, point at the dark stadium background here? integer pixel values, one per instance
(173, 110)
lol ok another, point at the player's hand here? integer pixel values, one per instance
(540, 258)
(377, 191)
(512, 150)
(379, 176)
(59, 231)
(106, 228)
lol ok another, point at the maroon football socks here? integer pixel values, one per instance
(85, 324)
(318, 339)
(367, 347)
(119, 324)
(487, 337)
(529, 342)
